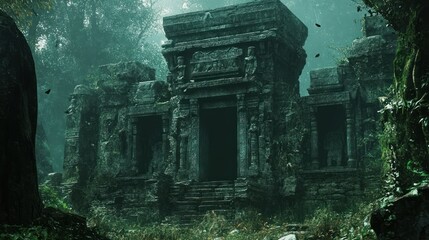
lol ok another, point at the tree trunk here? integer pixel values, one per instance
(19, 197)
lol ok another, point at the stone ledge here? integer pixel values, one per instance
(329, 171)
(231, 20)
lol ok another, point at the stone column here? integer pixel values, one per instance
(194, 139)
(253, 136)
(241, 136)
(71, 146)
(165, 123)
(261, 140)
(315, 164)
(183, 149)
(133, 144)
(351, 161)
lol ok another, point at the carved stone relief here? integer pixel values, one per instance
(225, 62)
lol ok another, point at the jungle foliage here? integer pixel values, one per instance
(70, 39)
(405, 141)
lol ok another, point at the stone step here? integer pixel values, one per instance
(207, 198)
(208, 189)
(226, 182)
(206, 208)
(196, 192)
(191, 202)
(186, 202)
(216, 202)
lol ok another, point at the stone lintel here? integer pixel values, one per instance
(224, 41)
(325, 77)
(216, 83)
(219, 92)
(326, 89)
(149, 109)
(329, 99)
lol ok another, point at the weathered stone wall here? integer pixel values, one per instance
(247, 59)
(244, 57)
(81, 135)
(354, 88)
(99, 135)
(133, 199)
(330, 188)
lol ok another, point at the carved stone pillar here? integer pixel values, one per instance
(314, 140)
(165, 122)
(133, 144)
(194, 140)
(180, 70)
(351, 161)
(241, 136)
(183, 150)
(253, 137)
(261, 141)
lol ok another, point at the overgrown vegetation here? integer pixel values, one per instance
(353, 224)
(51, 198)
(405, 115)
(248, 225)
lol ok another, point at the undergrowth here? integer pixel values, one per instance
(352, 225)
(249, 225)
(51, 198)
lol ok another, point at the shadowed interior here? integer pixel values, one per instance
(218, 144)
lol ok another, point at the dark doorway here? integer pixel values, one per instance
(218, 144)
(148, 144)
(331, 126)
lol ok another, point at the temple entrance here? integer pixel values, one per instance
(218, 144)
(148, 144)
(331, 123)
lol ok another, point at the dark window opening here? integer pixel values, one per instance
(218, 144)
(331, 127)
(148, 144)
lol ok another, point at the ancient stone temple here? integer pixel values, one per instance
(213, 135)
(342, 104)
(234, 73)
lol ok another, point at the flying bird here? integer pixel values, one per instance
(318, 25)
(48, 91)
(317, 55)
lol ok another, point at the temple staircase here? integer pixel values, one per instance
(192, 200)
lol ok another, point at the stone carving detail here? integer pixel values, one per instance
(206, 64)
(180, 69)
(251, 63)
(253, 134)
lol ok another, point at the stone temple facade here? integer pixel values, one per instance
(221, 132)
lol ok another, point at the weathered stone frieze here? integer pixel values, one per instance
(216, 63)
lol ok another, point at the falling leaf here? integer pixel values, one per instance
(317, 55)
(318, 25)
(48, 91)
